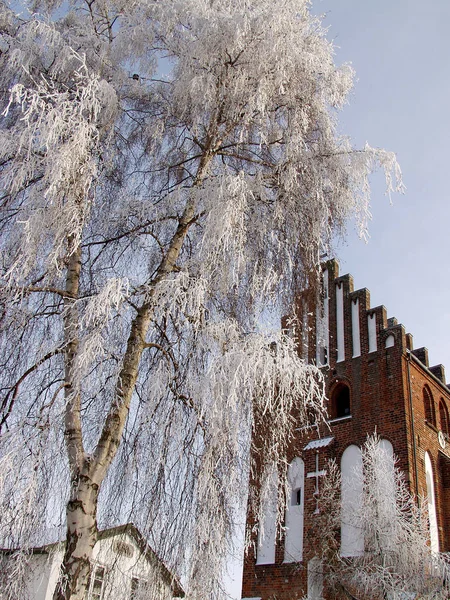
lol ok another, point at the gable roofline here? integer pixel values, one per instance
(120, 530)
(146, 551)
(444, 387)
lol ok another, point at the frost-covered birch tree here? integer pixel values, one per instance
(170, 171)
(397, 562)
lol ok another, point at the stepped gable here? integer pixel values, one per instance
(375, 381)
(356, 328)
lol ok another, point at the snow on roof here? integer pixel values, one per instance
(313, 444)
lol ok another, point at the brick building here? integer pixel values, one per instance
(375, 380)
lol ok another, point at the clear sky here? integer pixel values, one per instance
(400, 50)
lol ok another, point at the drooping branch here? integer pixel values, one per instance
(8, 401)
(42, 290)
(111, 434)
(139, 228)
(193, 201)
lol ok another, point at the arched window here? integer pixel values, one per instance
(267, 530)
(388, 450)
(352, 536)
(428, 404)
(443, 416)
(293, 548)
(340, 402)
(432, 518)
(380, 501)
(390, 341)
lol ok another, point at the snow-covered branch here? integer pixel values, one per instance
(170, 173)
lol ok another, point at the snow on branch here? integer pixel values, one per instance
(150, 223)
(396, 560)
(56, 143)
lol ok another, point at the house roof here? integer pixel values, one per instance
(131, 530)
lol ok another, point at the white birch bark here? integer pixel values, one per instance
(87, 472)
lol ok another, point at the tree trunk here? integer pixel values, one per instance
(81, 514)
(88, 471)
(81, 510)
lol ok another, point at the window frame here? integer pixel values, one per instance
(139, 588)
(95, 567)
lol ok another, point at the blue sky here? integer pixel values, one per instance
(400, 50)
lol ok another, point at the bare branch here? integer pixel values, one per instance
(7, 404)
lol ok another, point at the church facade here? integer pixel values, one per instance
(375, 381)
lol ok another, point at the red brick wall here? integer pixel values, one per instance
(426, 437)
(384, 386)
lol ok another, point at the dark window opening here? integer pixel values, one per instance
(311, 417)
(323, 355)
(340, 402)
(296, 497)
(428, 404)
(443, 414)
(134, 587)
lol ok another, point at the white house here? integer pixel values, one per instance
(124, 567)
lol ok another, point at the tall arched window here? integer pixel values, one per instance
(428, 404)
(340, 401)
(387, 449)
(443, 416)
(380, 502)
(267, 530)
(293, 548)
(432, 517)
(352, 537)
